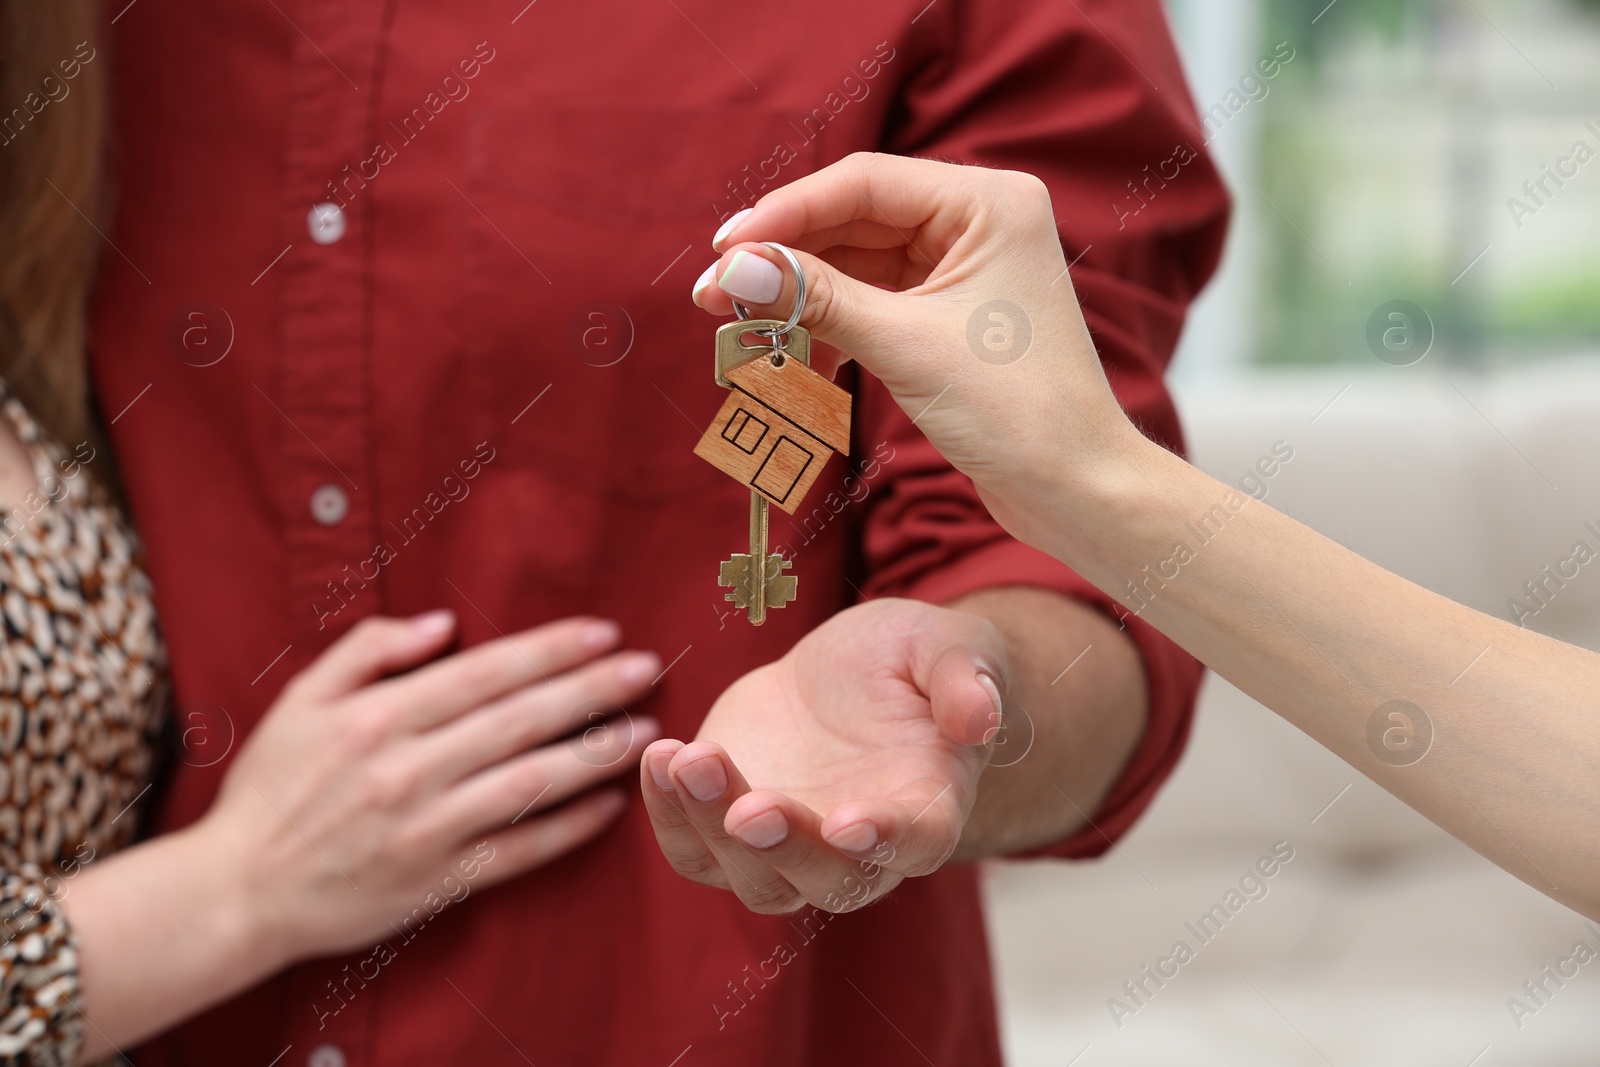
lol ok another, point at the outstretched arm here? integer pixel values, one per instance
(1489, 730)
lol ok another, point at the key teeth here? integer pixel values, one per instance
(735, 573)
(781, 588)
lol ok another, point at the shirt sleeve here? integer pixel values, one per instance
(1089, 96)
(39, 1025)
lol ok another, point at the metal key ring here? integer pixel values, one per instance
(799, 299)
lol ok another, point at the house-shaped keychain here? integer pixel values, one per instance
(777, 428)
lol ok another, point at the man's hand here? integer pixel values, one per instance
(849, 764)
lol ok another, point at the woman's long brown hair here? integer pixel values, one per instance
(51, 186)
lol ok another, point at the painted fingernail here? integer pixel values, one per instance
(702, 283)
(657, 764)
(766, 830)
(434, 623)
(704, 779)
(728, 227)
(598, 635)
(751, 279)
(857, 837)
(639, 668)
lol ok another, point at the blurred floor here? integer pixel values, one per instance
(1382, 957)
(1383, 942)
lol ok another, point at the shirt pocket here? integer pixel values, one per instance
(587, 225)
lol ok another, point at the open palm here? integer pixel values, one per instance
(851, 762)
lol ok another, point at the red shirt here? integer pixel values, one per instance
(481, 389)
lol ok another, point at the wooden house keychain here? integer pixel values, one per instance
(774, 434)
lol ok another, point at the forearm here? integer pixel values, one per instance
(1328, 640)
(1069, 732)
(162, 934)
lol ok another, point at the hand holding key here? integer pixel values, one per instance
(949, 284)
(775, 433)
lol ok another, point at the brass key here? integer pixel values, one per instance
(772, 588)
(774, 434)
(733, 351)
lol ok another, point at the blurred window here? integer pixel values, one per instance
(1440, 152)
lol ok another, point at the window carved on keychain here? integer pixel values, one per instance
(745, 431)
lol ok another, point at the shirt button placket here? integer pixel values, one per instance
(325, 439)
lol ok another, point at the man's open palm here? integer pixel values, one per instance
(860, 749)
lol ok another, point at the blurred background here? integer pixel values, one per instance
(1411, 303)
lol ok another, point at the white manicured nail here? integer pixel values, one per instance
(751, 279)
(702, 283)
(728, 227)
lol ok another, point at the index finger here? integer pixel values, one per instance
(449, 687)
(830, 206)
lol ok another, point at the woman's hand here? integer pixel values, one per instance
(949, 284)
(363, 787)
(376, 776)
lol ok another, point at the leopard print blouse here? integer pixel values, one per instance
(82, 684)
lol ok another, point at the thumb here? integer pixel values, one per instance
(965, 681)
(839, 310)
